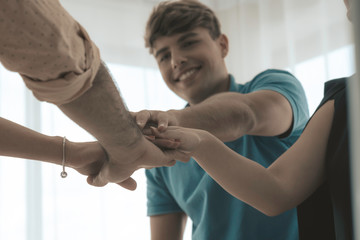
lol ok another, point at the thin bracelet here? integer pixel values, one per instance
(63, 174)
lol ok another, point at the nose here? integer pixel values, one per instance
(178, 60)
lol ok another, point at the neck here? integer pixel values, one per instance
(223, 86)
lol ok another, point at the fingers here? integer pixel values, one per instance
(166, 143)
(170, 133)
(129, 184)
(150, 137)
(157, 118)
(163, 124)
(102, 178)
(100, 181)
(155, 132)
(142, 118)
(97, 180)
(178, 155)
(171, 138)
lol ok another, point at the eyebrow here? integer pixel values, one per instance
(185, 36)
(180, 40)
(161, 51)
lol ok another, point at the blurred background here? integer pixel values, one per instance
(310, 38)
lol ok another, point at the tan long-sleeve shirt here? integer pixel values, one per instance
(48, 48)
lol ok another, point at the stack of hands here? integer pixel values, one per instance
(163, 144)
(161, 128)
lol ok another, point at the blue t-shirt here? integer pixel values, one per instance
(217, 215)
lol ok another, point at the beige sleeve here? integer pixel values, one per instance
(48, 48)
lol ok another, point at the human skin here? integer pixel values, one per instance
(287, 182)
(192, 65)
(21, 142)
(227, 115)
(102, 113)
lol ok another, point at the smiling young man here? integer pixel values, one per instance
(196, 78)
(259, 119)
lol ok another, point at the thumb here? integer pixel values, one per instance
(163, 124)
(129, 184)
(142, 118)
(97, 180)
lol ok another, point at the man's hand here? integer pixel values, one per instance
(143, 154)
(88, 158)
(159, 119)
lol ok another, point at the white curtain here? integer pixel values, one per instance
(282, 33)
(310, 38)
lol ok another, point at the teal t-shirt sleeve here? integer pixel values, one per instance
(159, 199)
(290, 87)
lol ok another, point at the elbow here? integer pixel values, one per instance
(269, 208)
(274, 209)
(273, 212)
(245, 122)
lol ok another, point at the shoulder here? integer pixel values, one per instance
(286, 84)
(268, 79)
(273, 72)
(280, 81)
(274, 79)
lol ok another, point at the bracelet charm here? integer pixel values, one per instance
(63, 174)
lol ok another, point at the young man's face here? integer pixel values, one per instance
(192, 64)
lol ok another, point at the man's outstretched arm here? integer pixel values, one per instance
(102, 113)
(61, 65)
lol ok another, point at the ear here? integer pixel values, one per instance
(224, 45)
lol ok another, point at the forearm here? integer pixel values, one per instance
(292, 178)
(102, 113)
(220, 115)
(21, 142)
(243, 178)
(168, 226)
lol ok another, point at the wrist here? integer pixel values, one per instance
(80, 154)
(71, 153)
(76, 153)
(125, 139)
(205, 140)
(128, 154)
(51, 149)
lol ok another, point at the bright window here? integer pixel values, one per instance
(74, 210)
(314, 72)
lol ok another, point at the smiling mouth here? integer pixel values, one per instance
(187, 74)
